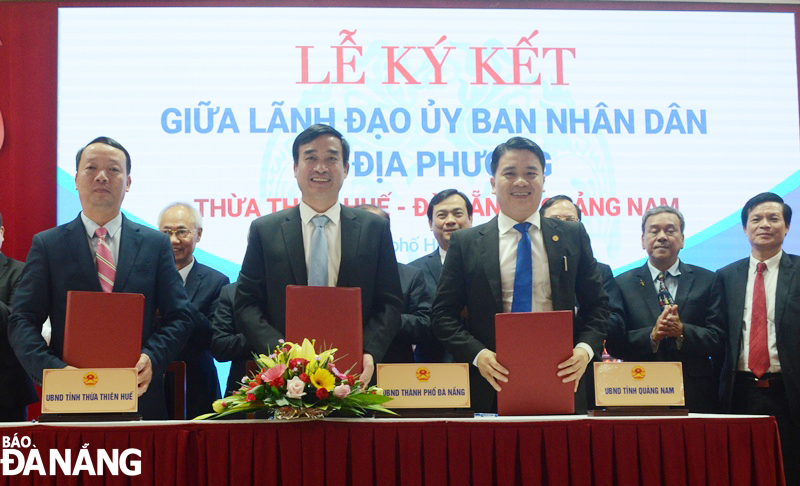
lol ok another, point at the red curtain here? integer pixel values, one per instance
(28, 74)
(590, 452)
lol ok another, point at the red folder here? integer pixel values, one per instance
(103, 330)
(329, 315)
(531, 345)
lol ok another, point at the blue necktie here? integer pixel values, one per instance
(318, 263)
(523, 276)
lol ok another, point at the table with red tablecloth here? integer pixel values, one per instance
(563, 450)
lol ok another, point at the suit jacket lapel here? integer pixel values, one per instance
(489, 244)
(351, 234)
(193, 280)
(785, 276)
(736, 295)
(434, 264)
(75, 245)
(685, 281)
(292, 230)
(129, 244)
(648, 291)
(3, 265)
(554, 247)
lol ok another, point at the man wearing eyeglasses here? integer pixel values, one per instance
(184, 226)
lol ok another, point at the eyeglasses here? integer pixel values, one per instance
(182, 233)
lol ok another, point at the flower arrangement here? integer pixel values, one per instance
(295, 381)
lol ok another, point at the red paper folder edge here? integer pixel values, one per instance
(75, 350)
(314, 305)
(511, 332)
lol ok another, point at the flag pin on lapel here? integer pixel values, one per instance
(555, 237)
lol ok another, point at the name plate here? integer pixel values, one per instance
(639, 384)
(421, 385)
(89, 390)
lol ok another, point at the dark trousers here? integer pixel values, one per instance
(752, 400)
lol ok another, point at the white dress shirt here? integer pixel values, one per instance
(184, 272)
(770, 288)
(442, 254)
(670, 278)
(542, 294)
(509, 240)
(333, 236)
(112, 239)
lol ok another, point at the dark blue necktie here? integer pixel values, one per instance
(523, 276)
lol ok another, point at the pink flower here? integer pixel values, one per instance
(341, 391)
(295, 387)
(274, 372)
(339, 375)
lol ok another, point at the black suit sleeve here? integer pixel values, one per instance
(203, 316)
(251, 295)
(384, 316)
(450, 300)
(416, 317)
(177, 323)
(227, 343)
(31, 308)
(616, 321)
(592, 299)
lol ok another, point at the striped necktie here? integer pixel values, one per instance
(106, 269)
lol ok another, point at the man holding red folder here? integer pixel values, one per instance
(320, 243)
(522, 262)
(101, 250)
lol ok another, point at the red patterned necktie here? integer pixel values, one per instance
(758, 359)
(106, 270)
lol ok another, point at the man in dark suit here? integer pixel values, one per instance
(481, 271)
(319, 242)
(761, 296)
(18, 390)
(184, 226)
(448, 211)
(64, 258)
(415, 314)
(668, 316)
(561, 207)
(228, 342)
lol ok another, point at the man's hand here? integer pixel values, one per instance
(491, 369)
(145, 373)
(673, 327)
(368, 365)
(68, 367)
(668, 324)
(573, 368)
(657, 334)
